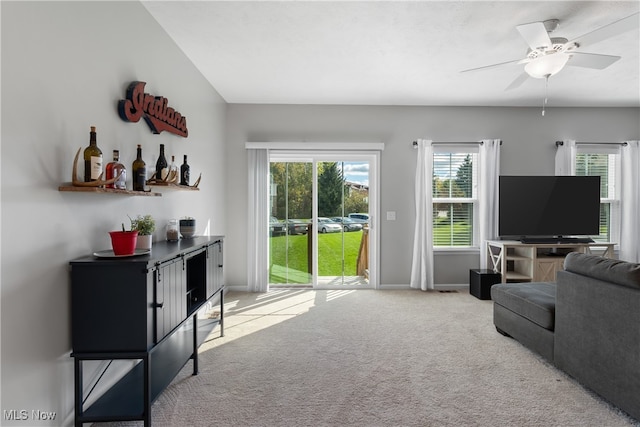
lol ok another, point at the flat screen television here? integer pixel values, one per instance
(549, 208)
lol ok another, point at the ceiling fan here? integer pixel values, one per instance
(546, 56)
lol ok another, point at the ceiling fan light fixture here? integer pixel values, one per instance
(547, 65)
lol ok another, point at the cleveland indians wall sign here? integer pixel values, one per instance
(154, 109)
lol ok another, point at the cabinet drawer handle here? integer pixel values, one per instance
(158, 304)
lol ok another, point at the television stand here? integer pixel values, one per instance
(554, 252)
(558, 240)
(537, 262)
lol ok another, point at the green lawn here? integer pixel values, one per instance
(290, 266)
(290, 252)
(442, 234)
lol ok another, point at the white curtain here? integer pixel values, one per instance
(630, 202)
(258, 221)
(565, 154)
(422, 263)
(488, 195)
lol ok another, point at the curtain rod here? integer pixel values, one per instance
(415, 143)
(624, 144)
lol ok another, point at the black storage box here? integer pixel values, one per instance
(480, 282)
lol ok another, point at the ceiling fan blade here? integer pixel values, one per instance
(618, 27)
(491, 66)
(591, 60)
(518, 81)
(535, 34)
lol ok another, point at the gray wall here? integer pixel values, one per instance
(64, 67)
(528, 148)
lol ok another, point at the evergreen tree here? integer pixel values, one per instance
(330, 190)
(464, 177)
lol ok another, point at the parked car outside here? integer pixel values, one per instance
(276, 228)
(325, 225)
(362, 218)
(347, 223)
(296, 226)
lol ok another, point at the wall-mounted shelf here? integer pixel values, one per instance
(72, 188)
(172, 186)
(150, 193)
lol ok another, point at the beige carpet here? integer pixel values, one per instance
(371, 358)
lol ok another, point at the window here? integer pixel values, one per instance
(605, 163)
(455, 197)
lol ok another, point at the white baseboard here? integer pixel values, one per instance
(395, 286)
(439, 287)
(237, 288)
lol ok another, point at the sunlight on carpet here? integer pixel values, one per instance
(254, 312)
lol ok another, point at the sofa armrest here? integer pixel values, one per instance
(597, 337)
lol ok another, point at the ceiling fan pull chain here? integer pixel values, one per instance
(546, 93)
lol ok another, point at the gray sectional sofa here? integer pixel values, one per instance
(587, 324)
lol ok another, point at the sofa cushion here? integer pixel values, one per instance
(610, 270)
(534, 301)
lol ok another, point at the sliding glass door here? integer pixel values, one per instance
(321, 224)
(343, 202)
(290, 196)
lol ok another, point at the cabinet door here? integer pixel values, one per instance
(111, 307)
(546, 269)
(170, 298)
(214, 268)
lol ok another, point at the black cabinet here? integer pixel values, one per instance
(155, 308)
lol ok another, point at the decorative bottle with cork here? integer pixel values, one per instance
(173, 170)
(114, 169)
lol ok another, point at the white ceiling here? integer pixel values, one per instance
(396, 52)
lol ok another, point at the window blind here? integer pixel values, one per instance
(454, 191)
(603, 164)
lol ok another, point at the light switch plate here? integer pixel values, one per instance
(391, 215)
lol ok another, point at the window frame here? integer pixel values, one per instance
(474, 151)
(614, 197)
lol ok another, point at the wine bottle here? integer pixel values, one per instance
(184, 172)
(161, 165)
(92, 158)
(139, 170)
(114, 169)
(173, 169)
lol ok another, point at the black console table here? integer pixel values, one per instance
(156, 308)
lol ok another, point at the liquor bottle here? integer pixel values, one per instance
(173, 169)
(92, 158)
(161, 165)
(113, 169)
(184, 172)
(139, 170)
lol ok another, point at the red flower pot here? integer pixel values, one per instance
(123, 242)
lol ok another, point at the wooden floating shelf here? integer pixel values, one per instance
(172, 186)
(75, 189)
